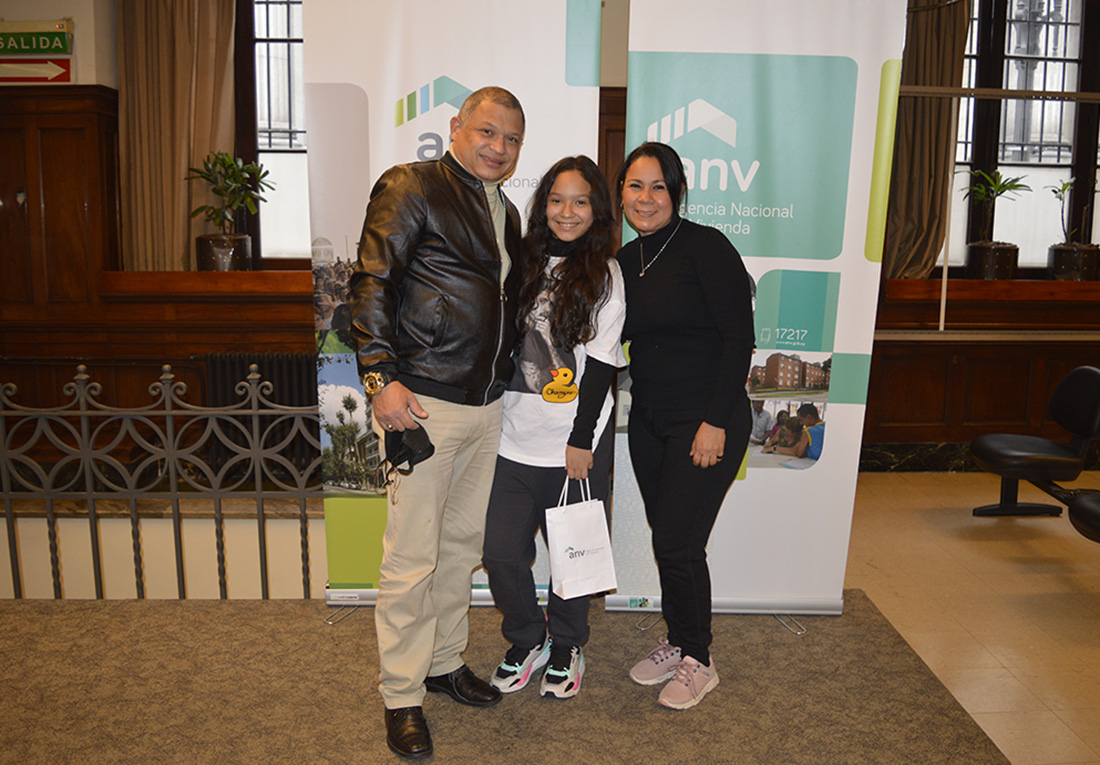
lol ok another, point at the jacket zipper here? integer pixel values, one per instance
(503, 297)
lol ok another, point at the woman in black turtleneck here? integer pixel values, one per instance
(690, 326)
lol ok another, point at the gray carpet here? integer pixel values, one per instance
(260, 682)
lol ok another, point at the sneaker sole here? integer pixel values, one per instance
(692, 702)
(654, 680)
(551, 690)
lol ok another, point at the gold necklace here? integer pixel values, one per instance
(641, 252)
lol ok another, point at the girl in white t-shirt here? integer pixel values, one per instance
(558, 403)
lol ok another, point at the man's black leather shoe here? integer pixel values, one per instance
(465, 687)
(407, 732)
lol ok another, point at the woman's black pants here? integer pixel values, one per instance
(681, 505)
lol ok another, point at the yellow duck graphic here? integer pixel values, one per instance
(561, 389)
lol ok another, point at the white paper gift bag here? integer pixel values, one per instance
(580, 547)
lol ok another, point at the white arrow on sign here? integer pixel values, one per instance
(47, 70)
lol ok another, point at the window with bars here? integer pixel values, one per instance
(280, 100)
(273, 79)
(1017, 51)
(1042, 49)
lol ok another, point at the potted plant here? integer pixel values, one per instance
(985, 258)
(1069, 260)
(237, 187)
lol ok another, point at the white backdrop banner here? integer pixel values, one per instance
(783, 112)
(383, 80)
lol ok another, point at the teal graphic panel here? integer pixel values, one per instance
(848, 381)
(797, 310)
(766, 142)
(582, 43)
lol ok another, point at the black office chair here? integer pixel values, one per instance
(1075, 406)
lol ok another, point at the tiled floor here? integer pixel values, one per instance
(1006, 611)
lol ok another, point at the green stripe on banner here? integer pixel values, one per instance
(848, 378)
(354, 527)
(582, 43)
(883, 159)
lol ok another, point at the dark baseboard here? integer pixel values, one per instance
(932, 458)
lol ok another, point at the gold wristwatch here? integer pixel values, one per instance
(374, 382)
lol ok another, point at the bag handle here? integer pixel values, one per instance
(586, 491)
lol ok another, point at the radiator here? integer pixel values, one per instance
(293, 375)
(294, 380)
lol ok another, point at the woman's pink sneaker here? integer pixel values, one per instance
(690, 683)
(659, 665)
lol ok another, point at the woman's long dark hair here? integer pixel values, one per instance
(580, 283)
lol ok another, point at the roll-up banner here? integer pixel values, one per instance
(783, 112)
(383, 80)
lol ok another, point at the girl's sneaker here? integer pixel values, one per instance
(660, 665)
(519, 664)
(689, 684)
(562, 677)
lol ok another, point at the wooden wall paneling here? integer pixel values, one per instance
(990, 305)
(998, 388)
(111, 202)
(35, 232)
(612, 146)
(914, 386)
(16, 285)
(67, 206)
(952, 392)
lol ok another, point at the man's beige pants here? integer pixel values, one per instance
(434, 532)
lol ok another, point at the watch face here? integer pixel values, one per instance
(373, 382)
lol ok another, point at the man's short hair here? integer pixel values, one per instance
(808, 410)
(495, 95)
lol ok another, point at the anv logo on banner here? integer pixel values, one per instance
(766, 150)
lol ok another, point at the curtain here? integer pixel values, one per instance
(176, 104)
(921, 184)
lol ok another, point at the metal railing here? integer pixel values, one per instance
(168, 450)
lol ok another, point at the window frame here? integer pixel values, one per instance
(984, 113)
(247, 130)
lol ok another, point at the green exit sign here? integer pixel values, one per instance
(24, 43)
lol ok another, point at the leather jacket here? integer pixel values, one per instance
(426, 301)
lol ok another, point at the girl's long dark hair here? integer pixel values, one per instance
(579, 285)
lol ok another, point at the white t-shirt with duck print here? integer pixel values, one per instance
(541, 401)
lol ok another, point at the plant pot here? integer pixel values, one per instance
(1073, 262)
(991, 260)
(223, 252)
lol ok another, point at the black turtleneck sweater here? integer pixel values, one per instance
(689, 321)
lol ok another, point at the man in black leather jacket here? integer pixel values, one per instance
(433, 302)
